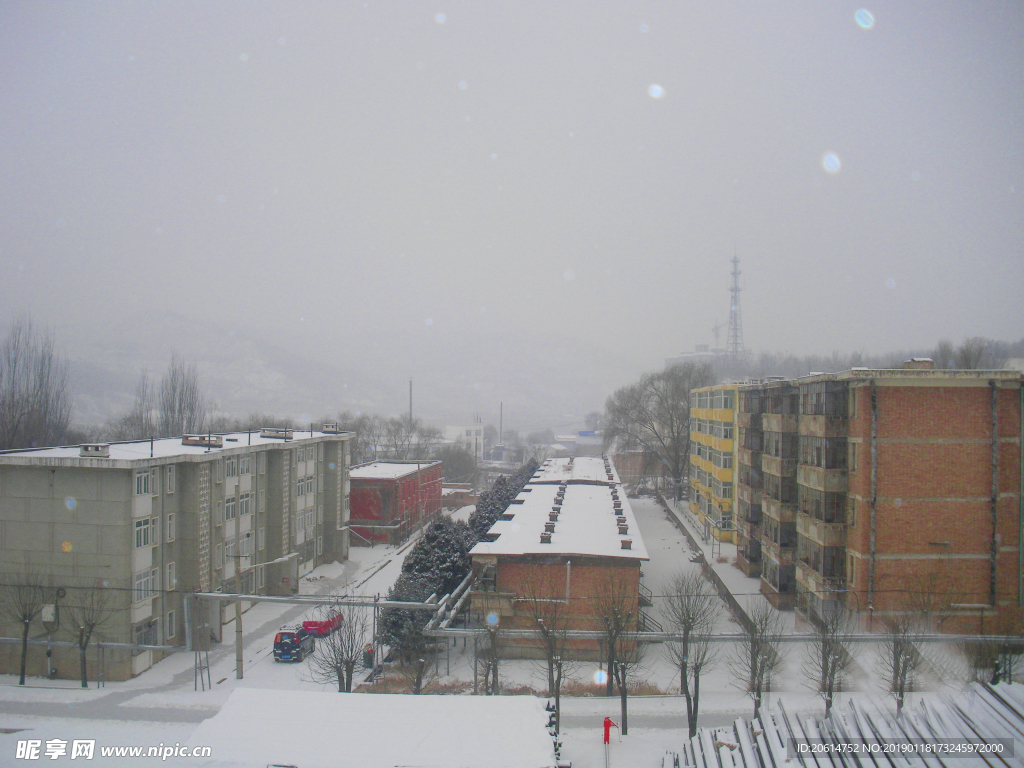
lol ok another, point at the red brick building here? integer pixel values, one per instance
(567, 549)
(391, 499)
(887, 491)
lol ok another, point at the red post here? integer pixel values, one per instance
(608, 723)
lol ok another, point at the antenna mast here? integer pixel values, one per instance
(734, 345)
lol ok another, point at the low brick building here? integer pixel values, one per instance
(566, 548)
(391, 499)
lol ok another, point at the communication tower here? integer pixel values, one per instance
(734, 345)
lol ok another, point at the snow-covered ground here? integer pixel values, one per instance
(161, 705)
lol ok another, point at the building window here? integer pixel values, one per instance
(169, 528)
(320, 514)
(218, 471)
(145, 584)
(245, 544)
(147, 633)
(230, 508)
(261, 460)
(309, 484)
(170, 479)
(319, 545)
(154, 480)
(245, 504)
(218, 513)
(261, 578)
(851, 511)
(245, 465)
(300, 486)
(154, 528)
(142, 483)
(320, 483)
(320, 451)
(172, 577)
(142, 531)
(263, 501)
(171, 625)
(218, 556)
(853, 456)
(261, 538)
(229, 549)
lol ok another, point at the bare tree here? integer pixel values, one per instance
(337, 654)
(139, 422)
(757, 657)
(616, 607)
(693, 608)
(629, 657)
(182, 408)
(35, 400)
(829, 659)
(654, 414)
(900, 662)
(88, 610)
(944, 354)
(22, 599)
(545, 600)
(976, 353)
(489, 658)
(931, 598)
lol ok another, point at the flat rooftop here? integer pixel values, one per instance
(581, 469)
(587, 523)
(388, 470)
(160, 448)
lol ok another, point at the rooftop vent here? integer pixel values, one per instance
(627, 543)
(94, 450)
(203, 441)
(549, 527)
(277, 433)
(623, 529)
(553, 517)
(545, 538)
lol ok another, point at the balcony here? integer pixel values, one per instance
(747, 529)
(784, 513)
(773, 465)
(820, 532)
(748, 494)
(780, 422)
(748, 456)
(749, 420)
(824, 426)
(781, 554)
(825, 480)
(824, 587)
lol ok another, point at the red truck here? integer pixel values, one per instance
(322, 627)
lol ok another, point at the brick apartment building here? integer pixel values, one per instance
(569, 539)
(391, 499)
(712, 459)
(151, 521)
(879, 489)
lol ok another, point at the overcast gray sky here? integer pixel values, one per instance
(431, 178)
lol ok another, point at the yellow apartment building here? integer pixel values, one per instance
(713, 458)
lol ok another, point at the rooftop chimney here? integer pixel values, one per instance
(919, 364)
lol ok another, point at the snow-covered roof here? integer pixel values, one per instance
(981, 713)
(160, 448)
(580, 469)
(325, 730)
(587, 523)
(388, 470)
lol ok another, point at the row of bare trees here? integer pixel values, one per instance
(76, 612)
